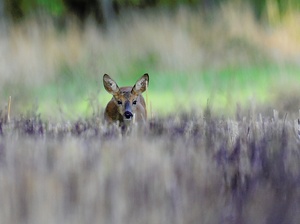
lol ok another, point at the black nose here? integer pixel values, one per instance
(128, 115)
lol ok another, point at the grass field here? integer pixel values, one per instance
(221, 144)
(182, 169)
(228, 59)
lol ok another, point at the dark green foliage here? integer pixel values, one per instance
(83, 9)
(17, 9)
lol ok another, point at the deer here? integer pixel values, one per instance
(127, 105)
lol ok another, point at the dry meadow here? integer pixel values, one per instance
(221, 144)
(183, 169)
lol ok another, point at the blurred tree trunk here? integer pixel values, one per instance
(208, 4)
(2, 10)
(107, 10)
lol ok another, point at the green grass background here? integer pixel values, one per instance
(71, 96)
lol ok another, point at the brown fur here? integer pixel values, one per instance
(114, 111)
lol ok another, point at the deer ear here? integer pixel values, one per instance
(110, 85)
(141, 85)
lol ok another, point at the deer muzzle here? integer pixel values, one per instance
(128, 111)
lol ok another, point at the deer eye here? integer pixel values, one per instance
(119, 102)
(134, 102)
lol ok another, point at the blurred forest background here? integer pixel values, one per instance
(105, 10)
(232, 54)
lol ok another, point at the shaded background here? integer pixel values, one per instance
(234, 54)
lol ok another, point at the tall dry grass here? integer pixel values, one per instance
(182, 169)
(192, 168)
